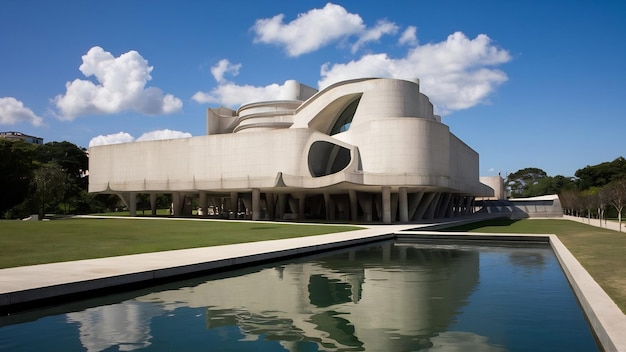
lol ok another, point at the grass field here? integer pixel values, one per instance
(38, 242)
(602, 252)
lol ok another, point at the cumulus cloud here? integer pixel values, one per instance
(383, 27)
(121, 86)
(317, 28)
(409, 36)
(162, 134)
(456, 74)
(123, 137)
(224, 66)
(233, 95)
(116, 138)
(13, 111)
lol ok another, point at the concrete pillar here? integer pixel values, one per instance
(403, 204)
(256, 204)
(132, 203)
(177, 206)
(394, 207)
(271, 207)
(329, 205)
(354, 213)
(468, 204)
(365, 201)
(424, 205)
(282, 202)
(204, 203)
(386, 205)
(414, 201)
(153, 199)
(443, 205)
(301, 203)
(430, 214)
(234, 205)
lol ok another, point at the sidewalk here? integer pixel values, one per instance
(605, 224)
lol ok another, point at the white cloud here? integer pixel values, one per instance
(309, 31)
(121, 86)
(162, 134)
(223, 67)
(123, 137)
(13, 111)
(374, 34)
(233, 95)
(409, 36)
(455, 74)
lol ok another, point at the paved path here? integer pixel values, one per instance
(611, 225)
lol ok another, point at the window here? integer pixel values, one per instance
(345, 118)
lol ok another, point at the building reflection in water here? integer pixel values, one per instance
(384, 298)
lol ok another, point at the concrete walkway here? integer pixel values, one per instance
(610, 225)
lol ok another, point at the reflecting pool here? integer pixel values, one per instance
(391, 296)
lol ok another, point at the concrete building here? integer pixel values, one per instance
(14, 136)
(359, 150)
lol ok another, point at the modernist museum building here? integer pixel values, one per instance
(359, 150)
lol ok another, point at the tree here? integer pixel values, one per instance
(51, 185)
(16, 165)
(520, 181)
(617, 192)
(602, 174)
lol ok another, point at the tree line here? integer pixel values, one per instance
(597, 191)
(37, 179)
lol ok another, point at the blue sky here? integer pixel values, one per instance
(525, 83)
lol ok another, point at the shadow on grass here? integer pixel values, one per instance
(481, 224)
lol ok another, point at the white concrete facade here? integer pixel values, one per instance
(359, 150)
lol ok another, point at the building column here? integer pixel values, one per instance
(365, 201)
(204, 204)
(468, 204)
(281, 205)
(176, 204)
(271, 208)
(424, 205)
(153, 199)
(234, 205)
(301, 202)
(327, 205)
(354, 213)
(256, 204)
(386, 205)
(404, 204)
(132, 203)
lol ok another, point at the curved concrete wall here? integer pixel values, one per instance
(393, 144)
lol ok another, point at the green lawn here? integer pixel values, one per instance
(602, 252)
(38, 242)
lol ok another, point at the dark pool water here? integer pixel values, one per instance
(385, 297)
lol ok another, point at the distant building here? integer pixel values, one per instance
(359, 150)
(21, 136)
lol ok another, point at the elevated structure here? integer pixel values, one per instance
(359, 150)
